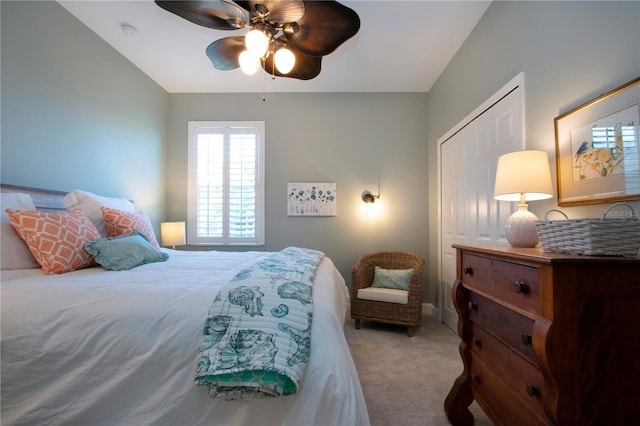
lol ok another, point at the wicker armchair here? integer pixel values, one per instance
(362, 274)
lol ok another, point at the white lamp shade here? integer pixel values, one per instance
(285, 60)
(172, 233)
(249, 63)
(257, 42)
(523, 172)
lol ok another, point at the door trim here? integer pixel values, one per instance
(514, 83)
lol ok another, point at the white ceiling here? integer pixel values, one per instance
(402, 46)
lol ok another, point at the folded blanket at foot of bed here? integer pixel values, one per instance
(257, 335)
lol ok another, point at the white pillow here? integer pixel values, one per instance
(14, 252)
(90, 205)
(16, 201)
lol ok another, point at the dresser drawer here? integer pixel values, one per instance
(497, 398)
(513, 283)
(508, 326)
(527, 384)
(525, 387)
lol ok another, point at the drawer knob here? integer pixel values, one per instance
(532, 390)
(477, 341)
(467, 270)
(520, 287)
(526, 339)
(475, 377)
(472, 305)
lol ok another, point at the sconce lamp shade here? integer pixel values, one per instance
(523, 176)
(172, 234)
(523, 172)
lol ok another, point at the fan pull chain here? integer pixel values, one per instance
(264, 97)
(273, 69)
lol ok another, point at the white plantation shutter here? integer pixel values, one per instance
(209, 185)
(226, 174)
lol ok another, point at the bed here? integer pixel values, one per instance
(101, 347)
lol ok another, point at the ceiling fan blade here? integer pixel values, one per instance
(216, 14)
(324, 26)
(305, 68)
(224, 53)
(279, 10)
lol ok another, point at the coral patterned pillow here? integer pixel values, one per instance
(56, 240)
(119, 223)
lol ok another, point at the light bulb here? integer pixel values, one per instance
(256, 42)
(249, 63)
(285, 60)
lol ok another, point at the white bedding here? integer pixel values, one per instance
(96, 347)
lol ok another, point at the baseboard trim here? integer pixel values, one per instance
(430, 309)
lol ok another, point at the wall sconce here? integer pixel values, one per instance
(172, 234)
(523, 176)
(370, 208)
(368, 197)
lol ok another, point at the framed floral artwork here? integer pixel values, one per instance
(598, 149)
(311, 199)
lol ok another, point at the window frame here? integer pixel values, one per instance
(225, 127)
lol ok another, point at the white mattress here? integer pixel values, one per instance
(96, 347)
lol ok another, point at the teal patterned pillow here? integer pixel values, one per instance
(124, 252)
(392, 278)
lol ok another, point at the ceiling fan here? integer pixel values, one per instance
(287, 38)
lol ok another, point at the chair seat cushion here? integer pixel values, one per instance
(384, 295)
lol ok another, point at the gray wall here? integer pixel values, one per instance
(570, 52)
(75, 113)
(352, 139)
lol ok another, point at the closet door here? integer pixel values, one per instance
(468, 158)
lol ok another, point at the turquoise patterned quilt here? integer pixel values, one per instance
(257, 335)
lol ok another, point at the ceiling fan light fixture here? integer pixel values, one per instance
(285, 60)
(257, 42)
(290, 28)
(249, 63)
(262, 11)
(236, 23)
(308, 29)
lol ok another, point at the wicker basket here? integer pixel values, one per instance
(593, 237)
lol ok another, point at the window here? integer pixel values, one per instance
(616, 137)
(226, 183)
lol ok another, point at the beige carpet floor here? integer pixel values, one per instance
(405, 380)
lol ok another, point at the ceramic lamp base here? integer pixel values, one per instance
(521, 228)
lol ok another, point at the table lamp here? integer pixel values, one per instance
(172, 234)
(523, 176)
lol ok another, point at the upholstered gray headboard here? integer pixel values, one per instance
(44, 199)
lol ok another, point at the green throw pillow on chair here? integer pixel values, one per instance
(397, 279)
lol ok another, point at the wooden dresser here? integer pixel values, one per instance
(547, 338)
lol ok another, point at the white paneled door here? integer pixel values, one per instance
(468, 158)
